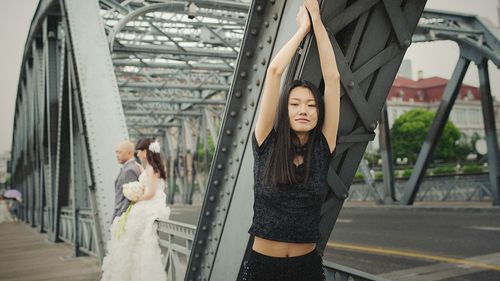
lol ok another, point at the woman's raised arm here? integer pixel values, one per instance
(330, 75)
(270, 96)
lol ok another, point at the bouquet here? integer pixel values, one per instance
(133, 191)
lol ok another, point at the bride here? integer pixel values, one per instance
(133, 252)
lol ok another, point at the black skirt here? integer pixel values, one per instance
(259, 267)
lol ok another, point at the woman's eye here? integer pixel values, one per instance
(294, 104)
(312, 105)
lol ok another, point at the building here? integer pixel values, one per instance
(426, 93)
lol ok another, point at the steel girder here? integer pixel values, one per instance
(67, 123)
(369, 39)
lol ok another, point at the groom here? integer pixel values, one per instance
(129, 172)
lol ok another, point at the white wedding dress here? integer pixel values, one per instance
(134, 254)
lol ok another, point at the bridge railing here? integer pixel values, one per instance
(176, 242)
(86, 235)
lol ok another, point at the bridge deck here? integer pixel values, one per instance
(26, 254)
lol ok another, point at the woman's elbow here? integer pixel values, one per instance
(274, 70)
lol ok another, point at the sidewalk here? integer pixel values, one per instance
(27, 255)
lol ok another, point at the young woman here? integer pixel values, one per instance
(133, 251)
(294, 139)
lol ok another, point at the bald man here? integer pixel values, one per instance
(129, 172)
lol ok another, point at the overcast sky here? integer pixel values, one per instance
(435, 59)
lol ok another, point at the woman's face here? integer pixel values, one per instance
(302, 110)
(141, 153)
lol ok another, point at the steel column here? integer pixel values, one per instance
(490, 130)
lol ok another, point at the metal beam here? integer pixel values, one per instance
(490, 130)
(449, 96)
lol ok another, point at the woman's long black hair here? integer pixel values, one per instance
(154, 159)
(280, 167)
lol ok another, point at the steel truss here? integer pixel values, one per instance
(174, 62)
(478, 43)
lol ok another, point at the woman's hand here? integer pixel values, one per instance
(303, 20)
(312, 7)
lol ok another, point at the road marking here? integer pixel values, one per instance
(344, 220)
(479, 227)
(392, 252)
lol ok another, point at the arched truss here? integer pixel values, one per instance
(478, 42)
(173, 58)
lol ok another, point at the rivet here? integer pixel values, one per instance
(254, 67)
(214, 224)
(196, 256)
(235, 144)
(233, 113)
(207, 213)
(223, 209)
(211, 198)
(217, 209)
(237, 159)
(245, 108)
(259, 8)
(204, 228)
(232, 176)
(230, 162)
(266, 24)
(263, 62)
(216, 182)
(275, 16)
(219, 166)
(248, 53)
(219, 223)
(373, 125)
(237, 94)
(242, 141)
(240, 126)
(269, 39)
(273, 2)
(247, 123)
(193, 268)
(252, 103)
(407, 43)
(229, 132)
(224, 149)
(261, 46)
(228, 192)
(254, 31)
(243, 74)
(257, 82)
(351, 84)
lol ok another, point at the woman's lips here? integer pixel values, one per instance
(302, 120)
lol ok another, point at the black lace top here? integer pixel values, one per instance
(289, 213)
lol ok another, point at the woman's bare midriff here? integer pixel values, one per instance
(281, 249)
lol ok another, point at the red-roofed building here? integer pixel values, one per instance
(407, 94)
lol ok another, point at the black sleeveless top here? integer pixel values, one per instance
(289, 213)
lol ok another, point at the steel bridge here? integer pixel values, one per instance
(190, 73)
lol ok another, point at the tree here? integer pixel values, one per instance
(410, 130)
